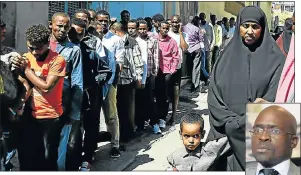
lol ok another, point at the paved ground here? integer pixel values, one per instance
(149, 151)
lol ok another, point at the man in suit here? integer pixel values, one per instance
(273, 139)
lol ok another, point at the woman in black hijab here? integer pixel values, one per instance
(247, 71)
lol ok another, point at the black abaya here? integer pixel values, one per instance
(241, 75)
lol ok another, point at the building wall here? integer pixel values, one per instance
(218, 8)
(29, 13)
(8, 15)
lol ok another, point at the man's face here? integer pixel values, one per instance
(125, 17)
(164, 29)
(60, 27)
(132, 29)
(104, 21)
(37, 49)
(250, 32)
(175, 24)
(142, 30)
(2, 33)
(77, 33)
(271, 150)
(84, 17)
(191, 135)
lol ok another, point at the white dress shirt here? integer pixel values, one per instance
(282, 168)
(177, 38)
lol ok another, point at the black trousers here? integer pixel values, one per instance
(38, 144)
(146, 104)
(215, 55)
(126, 110)
(163, 93)
(92, 101)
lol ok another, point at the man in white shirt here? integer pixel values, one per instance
(273, 139)
(182, 40)
(116, 46)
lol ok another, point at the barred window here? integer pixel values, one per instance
(55, 6)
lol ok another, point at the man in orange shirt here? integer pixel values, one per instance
(45, 70)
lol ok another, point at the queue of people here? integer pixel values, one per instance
(54, 93)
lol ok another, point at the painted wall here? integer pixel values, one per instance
(29, 13)
(218, 8)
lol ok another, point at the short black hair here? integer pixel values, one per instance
(142, 21)
(134, 21)
(140, 18)
(78, 22)
(37, 33)
(2, 24)
(149, 23)
(225, 19)
(163, 22)
(202, 13)
(158, 17)
(232, 18)
(103, 12)
(192, 118)
(195, 21)
(82, 11)
(124, 11)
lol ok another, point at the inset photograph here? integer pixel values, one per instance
(273, 139)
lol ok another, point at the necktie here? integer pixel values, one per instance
(269, 172)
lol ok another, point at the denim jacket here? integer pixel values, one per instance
(73, 83)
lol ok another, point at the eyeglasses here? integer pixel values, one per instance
(35, 48)
(273, 132)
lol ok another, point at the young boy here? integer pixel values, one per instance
(196, 155)
(191, 132)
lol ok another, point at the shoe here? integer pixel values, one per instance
(85, 166)
(162, 123)
(115, 152)
(156, 129)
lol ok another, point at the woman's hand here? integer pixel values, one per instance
(261, 100)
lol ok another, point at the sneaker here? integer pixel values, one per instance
(156, 129)
(85, 166)
(162, 123)
(115, 152)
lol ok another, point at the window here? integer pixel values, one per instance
(55, 6)
(62, 6)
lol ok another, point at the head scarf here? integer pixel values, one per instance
(240, 75)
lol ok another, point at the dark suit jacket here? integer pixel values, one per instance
(252, 166)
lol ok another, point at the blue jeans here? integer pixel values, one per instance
(203, 65)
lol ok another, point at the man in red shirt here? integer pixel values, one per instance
(45, 70)
(168, 62)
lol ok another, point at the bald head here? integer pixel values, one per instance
(118, 29)
(279, 116)
(274, 136)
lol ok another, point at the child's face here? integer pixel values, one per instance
(191, 135)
